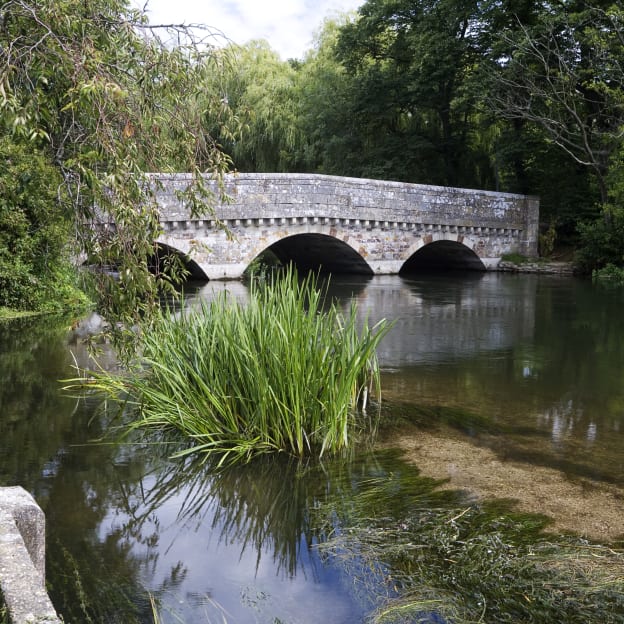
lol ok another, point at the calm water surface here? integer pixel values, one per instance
(536, 363)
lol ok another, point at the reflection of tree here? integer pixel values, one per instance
(93, 566)
(262, 505)
(31, 356)
(266, 505)
(90, 578)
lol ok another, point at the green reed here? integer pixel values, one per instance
(286, 371)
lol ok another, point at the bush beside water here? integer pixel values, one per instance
(609, 274)
(284, 372)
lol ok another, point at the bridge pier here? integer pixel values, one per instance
(224, 271)
(490, 264)
(386, 267)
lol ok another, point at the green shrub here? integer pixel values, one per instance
(610, 274)
(602, 241)
(34, 232)
(515, 258)
(284, 372)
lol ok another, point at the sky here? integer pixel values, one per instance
(288, 25)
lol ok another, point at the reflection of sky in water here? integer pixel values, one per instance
(221, 576)
(564, 420)
(561, 419)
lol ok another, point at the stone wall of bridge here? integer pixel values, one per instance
(357, 225)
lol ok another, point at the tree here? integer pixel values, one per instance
(330, 141)
(91, 85)
(260, 89)
(563, 74)
(33, 232)
(414, 64)
(602, 240)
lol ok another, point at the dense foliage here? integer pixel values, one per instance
(34, 231)
(90, 87)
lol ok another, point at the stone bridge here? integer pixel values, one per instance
(345, 225)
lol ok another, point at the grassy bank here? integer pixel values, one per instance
(60, 296)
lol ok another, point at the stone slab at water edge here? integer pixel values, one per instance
(22, 559)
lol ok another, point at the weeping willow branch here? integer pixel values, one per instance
(109, 99)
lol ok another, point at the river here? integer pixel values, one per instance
(506, 386)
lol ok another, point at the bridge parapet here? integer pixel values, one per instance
(284, 196)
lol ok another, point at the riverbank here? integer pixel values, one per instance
(74, 301)
(7, 314)
(546, 267)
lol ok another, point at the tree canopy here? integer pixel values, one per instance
(564, 75)
(93, 89)
(503, 94)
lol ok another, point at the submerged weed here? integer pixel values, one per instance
(474, 563)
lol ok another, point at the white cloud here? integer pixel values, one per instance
(288, 25)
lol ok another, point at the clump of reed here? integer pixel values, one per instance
(286, 371)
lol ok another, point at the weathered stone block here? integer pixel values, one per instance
(22, 559)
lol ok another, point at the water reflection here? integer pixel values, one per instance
(544, 368)
(448, 316)
(531, 367)
(31, 432)
(261, 506)
(239, 543)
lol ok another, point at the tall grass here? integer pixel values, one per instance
(284, 372)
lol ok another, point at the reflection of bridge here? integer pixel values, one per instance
(346, 225)
(450, 317)
(437, 318)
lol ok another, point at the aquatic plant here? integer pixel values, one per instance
(467, 562)
(286, 371)
(4, 615)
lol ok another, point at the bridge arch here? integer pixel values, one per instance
(317, 251)
(163, 251)
(442, 253)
